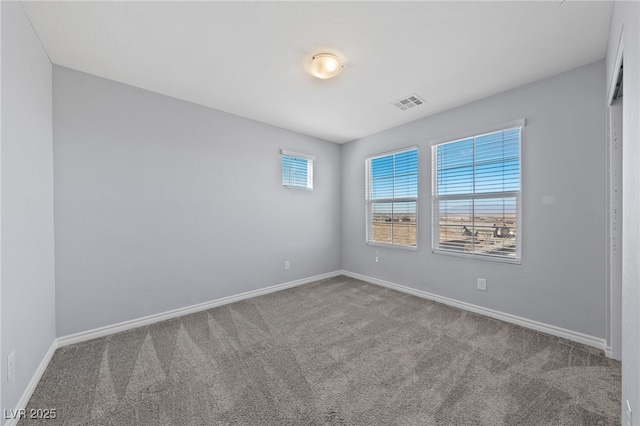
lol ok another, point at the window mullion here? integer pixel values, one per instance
(393, 196)
(473, 200)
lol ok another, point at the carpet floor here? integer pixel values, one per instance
(334, 352)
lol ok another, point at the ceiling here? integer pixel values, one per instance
(249, 58)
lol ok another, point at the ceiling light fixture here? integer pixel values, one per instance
(325, 65)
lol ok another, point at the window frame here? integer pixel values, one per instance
(436, 199)
(369, 201)
(296, 155)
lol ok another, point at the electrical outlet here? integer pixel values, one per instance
(482, 284)
(287, 265)
(11, 366)
(629, 413)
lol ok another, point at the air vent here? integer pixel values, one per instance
(408, 102)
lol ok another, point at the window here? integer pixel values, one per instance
(297, 170)
(476, 196)
(392, 198)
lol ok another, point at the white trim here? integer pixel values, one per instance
(608, 351)
(297, 154)
(393, 246)
(616, 68)
(151, 319)
(480, 196)
(394, 151)
(369, 202)
(478, 256)
(521, 122)
(574, 336)
(609, 317)
(127, 325)
(310, 159)
(2, 359)
(436, 198)
(31, 386)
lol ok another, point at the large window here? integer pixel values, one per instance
(392, 198)
(297, 170)
(476, 196)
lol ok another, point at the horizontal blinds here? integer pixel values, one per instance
(484, 164)
(394, 176)
(298, 154)
(392, 192)
(476, 194)
(296, 172)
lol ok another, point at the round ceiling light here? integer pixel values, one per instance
(325, 65)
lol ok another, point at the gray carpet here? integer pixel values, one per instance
(334, 352)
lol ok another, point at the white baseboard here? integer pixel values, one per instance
(127, 325)
(574, 336)
(139, 322)
(31, 386)
(608, 351)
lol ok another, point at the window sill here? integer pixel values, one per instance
(303, 188)
(392, 246)
(479, 256)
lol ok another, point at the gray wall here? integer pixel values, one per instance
(561, 280)
(162, 204)
(627, 15)
(28, 306)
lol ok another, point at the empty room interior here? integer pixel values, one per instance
(234, 212)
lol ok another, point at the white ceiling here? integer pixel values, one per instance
(248, 58)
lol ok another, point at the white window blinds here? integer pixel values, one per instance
(392, 198)
(476, 196)
(297, 170)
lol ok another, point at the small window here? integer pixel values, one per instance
(297, 170)
(476, 196)
(392, 198)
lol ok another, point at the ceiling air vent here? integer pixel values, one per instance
(408, 102)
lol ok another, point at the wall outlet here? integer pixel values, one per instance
(482, 284)
(11, 366)
(287, 265)
(629, 414)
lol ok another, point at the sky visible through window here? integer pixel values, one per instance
(395, 176)
(481, 165)
(294, 171)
